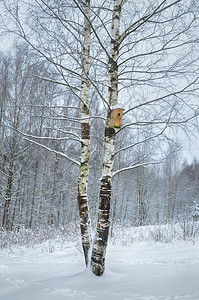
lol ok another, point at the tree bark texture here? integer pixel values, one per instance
(103, 222)
(85, 147)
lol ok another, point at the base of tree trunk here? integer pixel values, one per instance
(84, 225)
(98, 265)
(101, 237)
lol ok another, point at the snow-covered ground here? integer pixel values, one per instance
(142, 271)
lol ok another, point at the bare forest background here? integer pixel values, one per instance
(68, 61)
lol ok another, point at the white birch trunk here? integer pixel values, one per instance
(103, 223)
(85, 149)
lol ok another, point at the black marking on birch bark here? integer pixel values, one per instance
(84, 109)
(83, 212)
(117, 11)
(87, 84)
(116, 17)
(112, 63)
(104, 208)
(109, 131)
(98, 261)
(100, 243)
(96, 255)
(85, 131)
(82, 201)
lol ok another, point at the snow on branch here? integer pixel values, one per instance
(137, 166)
(64, 131)
(184, 90)
(142, 141)
(177, 122)
(50, 138)
(24, 136)
(64, 118)
(56, 82)
(47, 106)
(167, 122)
(51, 150)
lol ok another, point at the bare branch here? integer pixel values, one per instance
(144, 19)
(56, 82)
(93, 29)
(50, 138)
(24, 136)
(142, 141)
(138, 166)
(163, 97)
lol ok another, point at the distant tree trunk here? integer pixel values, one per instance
(85, 148)
(26, 202)
(73, 202)
(103, 222)
(4, 84)
(54, 192)
(16, 118)
(32, 206)
(59, 209)
(6, 214)
(40, 205)
(168, 194)
(8, 195)
(52, 215)
(21, 206)
(16, 204)
(36, 176)
(114, 211)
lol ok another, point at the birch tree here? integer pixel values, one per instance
(85, 134)
(103, 221)
(142, 56)
(64, 69)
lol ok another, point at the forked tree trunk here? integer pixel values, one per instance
(85, 148)
(103, 223)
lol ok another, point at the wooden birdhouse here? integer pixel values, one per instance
(116, 118)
